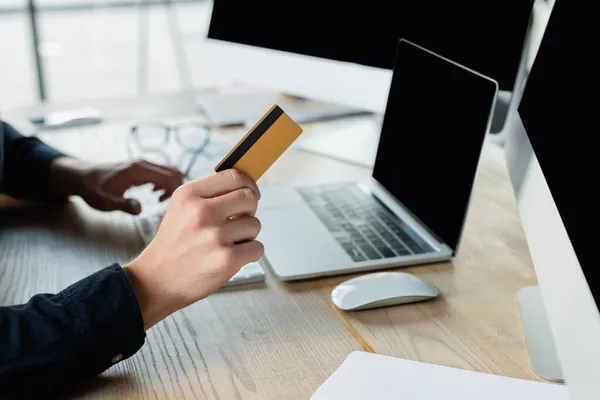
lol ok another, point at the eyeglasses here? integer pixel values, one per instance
(169, 144)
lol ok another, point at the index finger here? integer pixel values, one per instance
(140, 173)
(223, 182)
(165, 168)
(173, 178)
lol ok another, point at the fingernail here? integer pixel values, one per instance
(135, 207)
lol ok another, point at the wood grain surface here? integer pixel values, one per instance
(477, 324)
(280, 340)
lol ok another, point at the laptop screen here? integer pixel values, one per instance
(435, 122)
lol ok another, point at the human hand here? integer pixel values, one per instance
(207, 234)
(103, 186)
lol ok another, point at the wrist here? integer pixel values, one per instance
(67, 176)
(152, 301)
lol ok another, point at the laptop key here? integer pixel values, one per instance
(337, 214)
(330, 223)
(372, 237)
(352, 215)
(357, 257)
(369, 251)
(342, 237)
(402, 251)
(400, 233)
(394, 243)
(350, 248)
(385, 218)
(354, 253)
(368, 232)
(361, 242)
(383, 249)
(398, 247)
(413, 246)
(382, 230)
(357, 237)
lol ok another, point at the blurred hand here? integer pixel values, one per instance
(207, 234)
(103, 186)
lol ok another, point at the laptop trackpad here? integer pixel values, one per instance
(297, 244)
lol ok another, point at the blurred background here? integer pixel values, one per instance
(112, 48)
(99, 49)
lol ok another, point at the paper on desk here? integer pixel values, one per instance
(372, 376)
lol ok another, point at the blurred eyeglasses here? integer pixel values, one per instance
(174, 145)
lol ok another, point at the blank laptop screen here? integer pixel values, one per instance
(435, 123)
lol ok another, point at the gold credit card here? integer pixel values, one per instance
(262, 145)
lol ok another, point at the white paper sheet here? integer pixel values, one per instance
(375, 377)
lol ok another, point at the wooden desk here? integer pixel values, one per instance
(281, 340)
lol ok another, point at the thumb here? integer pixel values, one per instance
(119, 203)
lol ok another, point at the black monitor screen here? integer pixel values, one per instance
(487, 36)
(431, 141)
(559, 110)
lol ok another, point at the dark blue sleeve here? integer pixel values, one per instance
(58, 341)
(26, 165)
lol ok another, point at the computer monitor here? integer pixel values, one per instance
(551, 153)
(343, 52)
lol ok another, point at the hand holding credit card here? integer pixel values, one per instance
(262, 145)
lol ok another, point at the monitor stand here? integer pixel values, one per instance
(540, 341)
(244, 105)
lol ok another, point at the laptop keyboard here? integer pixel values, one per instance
(362, 225)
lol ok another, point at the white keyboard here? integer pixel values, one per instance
(148, 226)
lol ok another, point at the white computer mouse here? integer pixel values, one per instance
(381, 289)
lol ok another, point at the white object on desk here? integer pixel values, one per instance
(381, 289)
(372, 376)
(245, 106)
(66, 119)
(354, 140)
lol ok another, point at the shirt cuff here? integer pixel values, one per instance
(107, 316)
(43, 153)
(26, 165)
(42, 157)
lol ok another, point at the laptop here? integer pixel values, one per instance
(413, 207)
